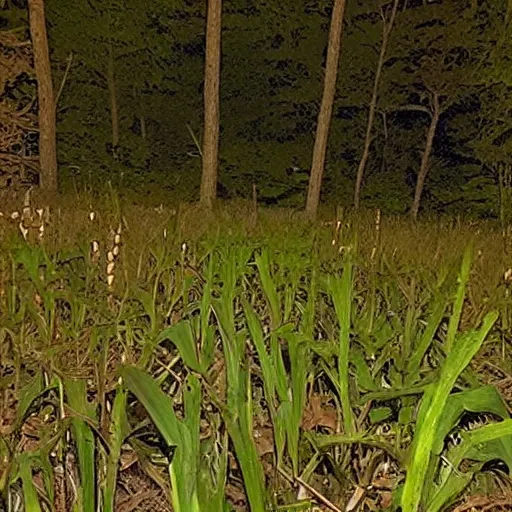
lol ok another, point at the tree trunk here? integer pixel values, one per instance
(505, 187)
(436, 112)
(509, 12)
(114, 109)
(324, 116)
(384, 162)
(386, 31)
(208, 192)
(48, 179)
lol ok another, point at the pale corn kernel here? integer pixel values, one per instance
(24, 231)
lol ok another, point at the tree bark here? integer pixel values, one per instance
(210, 163)
(420, 182)
(505, 187)
(324, 116)
(48, 178)
(386, 31)
(114, 109)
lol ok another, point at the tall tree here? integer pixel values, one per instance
(387, 27)
(112, 92)
(435, 112)
(324, 116)
(211, 103)
(436, 55)
(46, 101)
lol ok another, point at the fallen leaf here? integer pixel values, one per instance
(319, 413)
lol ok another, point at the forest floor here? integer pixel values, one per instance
(361, 362)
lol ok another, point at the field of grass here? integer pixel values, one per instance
(167, 358)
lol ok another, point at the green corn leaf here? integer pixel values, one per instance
(148, 303)
(267, 369)
(433, 322)
(485, 399)
(176, 433)
(182, 335)
(363, 374)
(484, 444)
(155, 401)
(299, 362)
(459, 299)
(76, 394)
(29, 489)
(431, 409)
(240, 430)
(30, 392)
(269, 287)
(119, 431)
(341, 293)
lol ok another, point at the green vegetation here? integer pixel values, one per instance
(250, 360)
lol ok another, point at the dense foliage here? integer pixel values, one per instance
(149, 55)
(152, 360)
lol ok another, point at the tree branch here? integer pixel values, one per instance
(64, 78)
(409, 108)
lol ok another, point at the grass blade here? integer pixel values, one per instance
(341, 292)
(431, 410)
(76, 394)
(183, 435)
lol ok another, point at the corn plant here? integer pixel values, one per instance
(284, 393)
(238, 410)
(460, 350)
(209, 334)
(182, 436)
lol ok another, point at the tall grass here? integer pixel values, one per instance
(291, 363)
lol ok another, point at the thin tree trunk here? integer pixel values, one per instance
(386, 142)
(114, 109)
(324, 116)
(386, 31)
(48, 178)
(505, 187)
(436, 112)
(208, 192)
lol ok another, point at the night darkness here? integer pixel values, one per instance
(131, 103)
